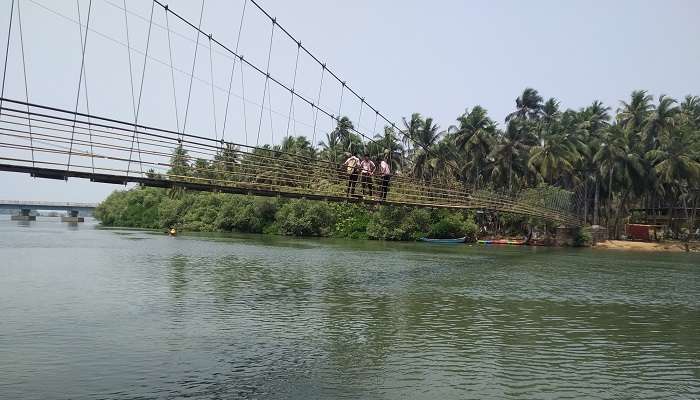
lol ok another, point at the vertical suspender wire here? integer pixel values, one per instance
(340, 106)
(233, 69)
(267, 81)
(138, 104)
(315, 109)
(128, 52)
(131, 81)
(245, 114)
(172, 69)
(374, 130)
(7, 52)
(26, 86)
(213, 107)
(272, 126)
(213, 98)
(194, 62)
(332, 144)
(80, 83)
(294, 82)
(359, 120)
(87, 98)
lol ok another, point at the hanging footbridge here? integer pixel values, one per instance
(72, 140)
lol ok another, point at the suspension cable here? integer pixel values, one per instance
(166, 64)
(259, 70)
(80, 82)
(233, 67)
(344, 85)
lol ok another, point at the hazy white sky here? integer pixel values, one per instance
(436, 58)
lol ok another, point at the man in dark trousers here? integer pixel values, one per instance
(385, 172)
(351, 165)
(367, 167)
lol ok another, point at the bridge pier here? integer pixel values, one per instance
(23, 215)
(72, 217)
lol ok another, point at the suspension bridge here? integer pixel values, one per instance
(174, 124)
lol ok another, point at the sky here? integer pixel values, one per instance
(436, 58)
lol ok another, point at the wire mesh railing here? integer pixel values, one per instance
(58, 143)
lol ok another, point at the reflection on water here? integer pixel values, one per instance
(94, 313)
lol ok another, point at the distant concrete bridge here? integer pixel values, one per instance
(80, 208)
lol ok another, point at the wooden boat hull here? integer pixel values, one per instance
(503, 241)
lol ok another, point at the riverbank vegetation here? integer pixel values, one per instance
(216, 212)
(645, 154)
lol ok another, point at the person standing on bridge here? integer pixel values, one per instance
(368, 168)
(385, 172)
(351, 167)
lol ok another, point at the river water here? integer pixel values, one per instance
(88, 313)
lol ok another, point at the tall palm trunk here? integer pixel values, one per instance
(596, 199)
(693, 214)
(610, 200)
(623, 200)
(585, 201)
(510, 175)
(690, 226)
(672, 204)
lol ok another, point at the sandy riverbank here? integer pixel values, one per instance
(647, 246)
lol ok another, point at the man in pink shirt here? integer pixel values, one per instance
(367, 167)
(385, 172)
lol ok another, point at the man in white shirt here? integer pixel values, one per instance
(352, 165)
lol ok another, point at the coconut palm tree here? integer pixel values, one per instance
(331, 148)
(676, 163)
(633, 115)
(474, 137)
(554, 160)
(387, 145)
(510, 153)
(424, 139)
(659, 121)
(616, 159)
(528, 106)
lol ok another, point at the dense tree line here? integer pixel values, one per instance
(646, 154)
(156, 208)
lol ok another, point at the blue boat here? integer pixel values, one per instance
(444, 241)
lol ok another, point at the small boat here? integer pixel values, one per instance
(503, 241)
(444, 241)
